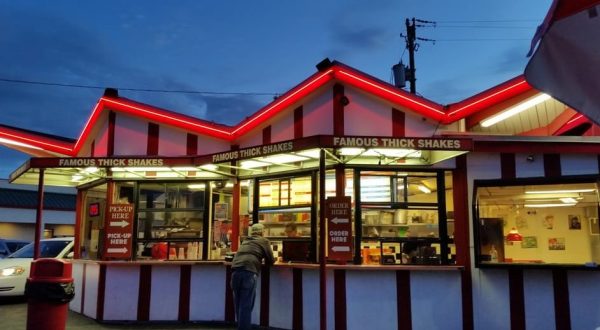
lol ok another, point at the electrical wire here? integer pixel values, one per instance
(44, 83)
(494, 21)
(487, 27)
(485, 39)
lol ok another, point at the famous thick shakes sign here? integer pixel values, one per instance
(339, 228)
(119, 231)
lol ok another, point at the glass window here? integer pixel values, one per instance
(294, 222)
(399, 209)
(285, 192)
(375, 188)
(421, 188)
(540, 223)
(170, 220)
(285, 209)
(301, 193)
(171, 195)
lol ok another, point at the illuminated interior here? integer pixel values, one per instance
(557, 222)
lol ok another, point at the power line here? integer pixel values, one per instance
(495, 21)
(487, 27)
(486, 39)
(45, 83)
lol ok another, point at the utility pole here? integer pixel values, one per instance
(411, 36)
(404, 73)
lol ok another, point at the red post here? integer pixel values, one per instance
(235, 217)
(322, 236)
(38, 216)
(78, 219)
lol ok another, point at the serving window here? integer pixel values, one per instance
(285, 206)
(405, 217)
(537, 222)
(171, 220)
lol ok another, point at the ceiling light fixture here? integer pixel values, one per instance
(252, 164)
(568, 200)
(351, 151)
(283, 158)
(515, 110)
(424, 189)
(551, 205)
(91, 169)
(565, 191)
(209, 167)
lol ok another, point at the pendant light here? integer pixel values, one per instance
(514, 236)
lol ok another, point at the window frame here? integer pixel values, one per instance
(440, 206)
(532, 181)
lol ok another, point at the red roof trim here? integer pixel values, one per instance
(88, 127)
(167, 117)
(487, 98)
(295, 94)
(338, 71)
(392, 94)
(42, 142)
(576, 120)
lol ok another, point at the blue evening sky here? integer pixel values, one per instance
(261, 47)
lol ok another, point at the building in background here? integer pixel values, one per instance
(18, 206)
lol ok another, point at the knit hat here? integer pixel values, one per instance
(256, 229)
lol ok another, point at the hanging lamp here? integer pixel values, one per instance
(514, 236)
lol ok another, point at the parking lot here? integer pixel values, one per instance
(13, 316)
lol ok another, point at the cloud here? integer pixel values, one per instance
(512, 60)
(353, 31)
(66, 52)
(361, 37)
(232, 109)
(445, 91)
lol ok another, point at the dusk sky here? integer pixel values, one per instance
(251, 49)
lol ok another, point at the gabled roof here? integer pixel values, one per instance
(334, 72)
(35, 142)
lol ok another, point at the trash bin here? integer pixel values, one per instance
(49, 289)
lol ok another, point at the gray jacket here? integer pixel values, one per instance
(251, 253)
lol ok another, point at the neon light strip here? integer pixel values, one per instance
(18, 138)
(162, 115)
(16, 143)
(309, 84)
(86, 128)
(574, 119)
(391, 92)
(487, 97)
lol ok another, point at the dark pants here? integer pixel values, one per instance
(243, 284)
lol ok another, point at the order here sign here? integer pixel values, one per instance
(339, 228)
(119, 228)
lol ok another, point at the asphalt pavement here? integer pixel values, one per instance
(13, 316)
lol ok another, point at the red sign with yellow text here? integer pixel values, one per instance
(339, 228)
(119, 231)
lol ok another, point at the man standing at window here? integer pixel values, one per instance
(246, 268)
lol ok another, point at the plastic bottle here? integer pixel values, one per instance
(190, 252)
(493, 254)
